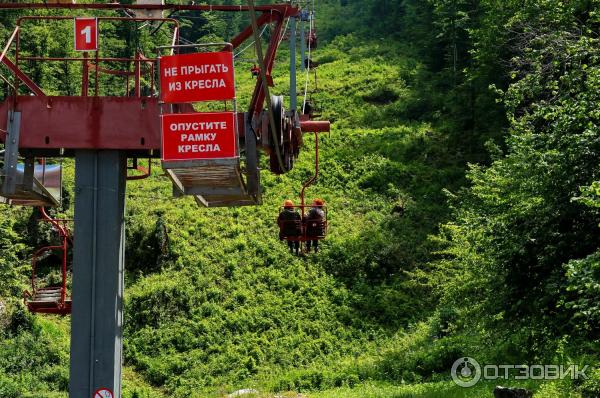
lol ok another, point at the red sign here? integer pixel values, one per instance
(193, 136)
(197, 77)
(86, 34)
(103, 393)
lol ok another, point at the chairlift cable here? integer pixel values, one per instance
(251, 44)
(186, 40)
(308, 64)
(287, 22)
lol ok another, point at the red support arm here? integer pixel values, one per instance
(23, 77)
(315, 126)
(246, 33)
(10, 65)
(258, 97)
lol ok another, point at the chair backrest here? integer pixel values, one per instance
(316, 228)
(290, 228)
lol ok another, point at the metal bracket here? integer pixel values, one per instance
(28, 174)
(11, 153)
(176, 191)
(293, 88)
(252, 170)
(305, 16)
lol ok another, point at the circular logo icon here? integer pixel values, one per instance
(466, 372)
(103, 393)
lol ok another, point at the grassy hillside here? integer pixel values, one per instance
(215, 303)
(231, 308)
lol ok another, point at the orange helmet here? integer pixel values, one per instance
(319, 202)
(288, 204)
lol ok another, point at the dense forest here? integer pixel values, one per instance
(463, 187)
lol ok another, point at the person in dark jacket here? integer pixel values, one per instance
(290, 226)
(315, 225)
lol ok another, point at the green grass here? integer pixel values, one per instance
(225, 307)
(437, 390)
(424, 390)
(231, 307)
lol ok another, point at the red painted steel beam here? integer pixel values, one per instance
(247, 32)
(101, 59)
(23, 77)
(20, 20)
(148, 61)
(258, 96)
(138, 75)
(111, 71)
(315, 126)
(85, 75)
(285, 9)
(124, 123)
(8, 44)
(90, 122)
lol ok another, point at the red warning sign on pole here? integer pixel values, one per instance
(86, 34)
(197, 77)
(103, 393)
(196, 136)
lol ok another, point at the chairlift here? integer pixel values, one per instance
(214, 182)
(312, 224)
(255, 70)
(52, 298)
(32, 184)
(40, 184)
(312, 108)
(312, 40)
(307, 228)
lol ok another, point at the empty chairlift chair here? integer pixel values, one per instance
(45, 296)
(38, 184)
(21, 187)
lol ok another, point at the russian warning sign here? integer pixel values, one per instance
(195, 136)
(197, 77)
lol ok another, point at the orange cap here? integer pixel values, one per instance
(288, 203)
(318, 202)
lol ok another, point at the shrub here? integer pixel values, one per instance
(591, 387)
(381, 95)
(9, 388)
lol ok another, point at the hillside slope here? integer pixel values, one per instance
(214, 300)
(429, 258)
(231, 307)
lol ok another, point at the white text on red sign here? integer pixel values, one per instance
(197, 77)
(193, 136)
(86, 34)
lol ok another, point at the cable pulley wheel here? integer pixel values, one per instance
(281, 128)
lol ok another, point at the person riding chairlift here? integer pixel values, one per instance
(289, 222)
(314, 224)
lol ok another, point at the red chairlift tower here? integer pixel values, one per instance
(102, 132)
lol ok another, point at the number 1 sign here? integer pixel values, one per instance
(86, 34)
